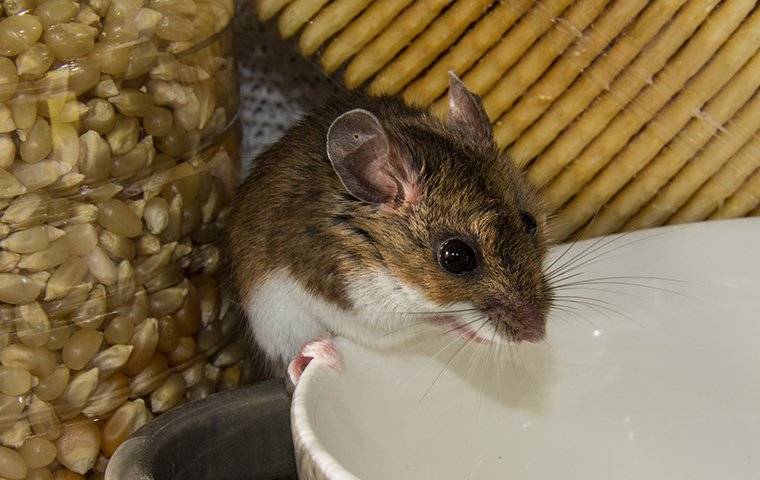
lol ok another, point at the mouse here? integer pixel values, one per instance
(369, 216)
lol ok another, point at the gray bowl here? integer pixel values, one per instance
(241, 434)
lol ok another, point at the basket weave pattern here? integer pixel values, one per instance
(625, 113)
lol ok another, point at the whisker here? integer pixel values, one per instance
(580, 297)
(605, 290)
(511, 348)
(595, 245)
(583, 318)
(601, 308)
(406, 327)
(446, 366)
(499, 359)
(554, 280)
(619, 247)
(433, 327)
(484, 369)
(596, 250)
(607, 240)
(640, 277)
(464, 324)
(440, 312)
(629, 284)
(525, 369)
(566, 309)
(572, 259)
(560, 284)
(577, 239)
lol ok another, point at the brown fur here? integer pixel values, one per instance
(293, 211)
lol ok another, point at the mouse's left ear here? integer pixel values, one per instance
(367, 162)
(466, 113)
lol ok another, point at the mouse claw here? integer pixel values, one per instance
(321, 349)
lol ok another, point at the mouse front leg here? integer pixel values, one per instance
(321, 349)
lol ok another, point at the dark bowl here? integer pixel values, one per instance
(241, 434)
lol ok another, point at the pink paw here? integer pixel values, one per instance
(321, 348)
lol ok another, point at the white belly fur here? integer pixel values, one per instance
(281, 315)
(284, 315)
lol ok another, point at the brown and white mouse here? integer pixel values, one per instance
(369, 216)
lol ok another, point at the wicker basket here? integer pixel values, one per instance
(626, 114)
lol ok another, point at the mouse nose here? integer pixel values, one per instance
(530, 325)
(530, 335)
(524, 323)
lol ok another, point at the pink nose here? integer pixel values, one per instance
(530, 335)
(530, 325)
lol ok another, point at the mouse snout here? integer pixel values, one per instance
(522, 323)
(529, 324)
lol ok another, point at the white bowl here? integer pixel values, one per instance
(665, 387)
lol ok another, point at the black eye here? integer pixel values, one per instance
(529, 221)
(457, 257)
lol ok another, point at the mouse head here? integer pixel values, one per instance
(447, 217)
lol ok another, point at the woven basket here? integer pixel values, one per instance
(626, 114)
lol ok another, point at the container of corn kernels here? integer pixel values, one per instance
(118, 150)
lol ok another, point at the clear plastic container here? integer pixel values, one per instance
(119, 148)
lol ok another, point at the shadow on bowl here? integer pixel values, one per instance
(242, 434)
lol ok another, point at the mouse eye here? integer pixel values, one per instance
(457, 257)
(529, 222)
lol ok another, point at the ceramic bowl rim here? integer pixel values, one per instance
(311, 454)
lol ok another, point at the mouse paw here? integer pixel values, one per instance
(321, 348)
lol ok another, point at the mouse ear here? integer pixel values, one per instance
(466, 112)
(360, 152)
